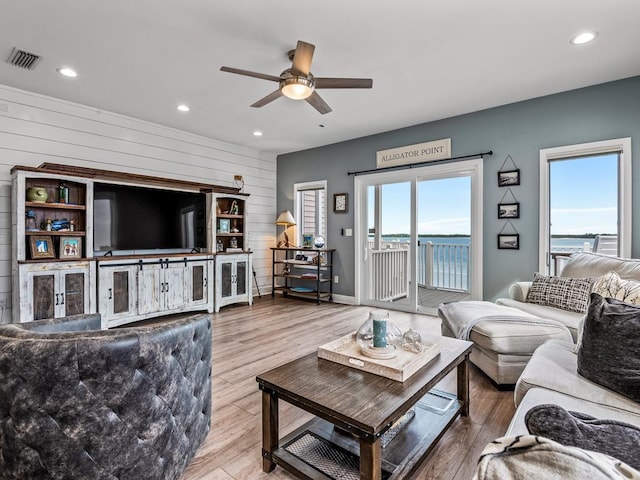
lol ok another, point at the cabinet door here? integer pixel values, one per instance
(197, 283)
(150, 289)
(117, 292)
(73, 292)
(173, 286)
(42, 286)
(227, 277)
(241, 277)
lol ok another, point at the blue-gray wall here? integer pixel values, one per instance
(601, 112)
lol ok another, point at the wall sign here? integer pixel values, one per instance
(421, 152)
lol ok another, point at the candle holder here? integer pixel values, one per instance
(378, 337)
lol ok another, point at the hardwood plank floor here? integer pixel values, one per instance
(250, 340)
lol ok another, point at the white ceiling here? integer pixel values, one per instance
(428, 59)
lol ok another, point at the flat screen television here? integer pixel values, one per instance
(138, 218)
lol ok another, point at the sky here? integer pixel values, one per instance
(583, 200)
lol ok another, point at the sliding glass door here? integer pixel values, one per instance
(417, 230)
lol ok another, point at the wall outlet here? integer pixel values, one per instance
(336, 279)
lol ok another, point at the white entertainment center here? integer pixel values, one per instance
(59, 271)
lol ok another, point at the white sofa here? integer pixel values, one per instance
(579, 265)
(551, 376)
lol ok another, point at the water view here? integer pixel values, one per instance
(558, 244)
(444, 260)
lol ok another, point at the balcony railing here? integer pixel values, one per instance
(440, 266)
(443, 265)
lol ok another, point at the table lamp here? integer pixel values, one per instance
(286, 219)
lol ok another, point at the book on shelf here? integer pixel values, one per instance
(311, 276)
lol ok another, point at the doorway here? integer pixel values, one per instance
(419, 233)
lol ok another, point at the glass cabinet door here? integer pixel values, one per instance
(227, 279)
(197, 283)
(44, 296)
(73, 297)
(120, 292)
(241, 278)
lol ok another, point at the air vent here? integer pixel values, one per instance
(23, 59)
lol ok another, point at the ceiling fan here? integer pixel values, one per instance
(298, 83)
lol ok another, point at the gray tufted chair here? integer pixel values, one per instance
(129, 403)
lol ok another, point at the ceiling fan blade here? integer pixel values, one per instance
(268, 99)
(318, 103)
(248, 73)
(344, 82)
(302, 58)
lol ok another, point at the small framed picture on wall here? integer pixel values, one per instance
(509, 210)
(509, 177)
(509, 241)
(340, 202)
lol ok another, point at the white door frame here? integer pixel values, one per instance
(472, 168)
(622, 146)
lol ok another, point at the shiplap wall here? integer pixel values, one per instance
(36, 129)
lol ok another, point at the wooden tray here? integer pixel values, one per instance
(346, 351)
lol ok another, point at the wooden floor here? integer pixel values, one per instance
(250, 340)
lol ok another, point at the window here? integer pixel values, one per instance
(585, 201)
(310, 206)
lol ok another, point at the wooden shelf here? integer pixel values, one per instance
(239, 234)
(300, 277)
(228, 215)
(66, 233)
(55, 205)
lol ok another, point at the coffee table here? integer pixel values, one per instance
(356, 412)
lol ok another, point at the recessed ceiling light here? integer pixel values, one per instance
(583, 38)
(67, 72)
(183, 108)
(257, 133)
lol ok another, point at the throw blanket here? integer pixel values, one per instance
(529, 457)
(463, 316)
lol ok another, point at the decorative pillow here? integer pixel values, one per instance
(610, 351)
(610, 285)
(532, 457)
(562, 292)
(618, 439)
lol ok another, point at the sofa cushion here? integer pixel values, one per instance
(618, 439)
(570, 319)
(585, 264)
(609, 354)
(530, 456)
(610, 285)
(539, 396)
(567, 293)
(515, 338)
(554, 366)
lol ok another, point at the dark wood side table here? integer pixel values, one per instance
(354, 411)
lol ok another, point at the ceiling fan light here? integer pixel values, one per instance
(297, 88)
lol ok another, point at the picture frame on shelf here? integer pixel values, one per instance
(307, 240)
(340, 202)
(510, 241)
(509, 210)
(42, 246)
(225, 225)
(70, 248)
(508, 178)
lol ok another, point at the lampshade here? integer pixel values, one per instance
(297, 88)
(285, 218)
